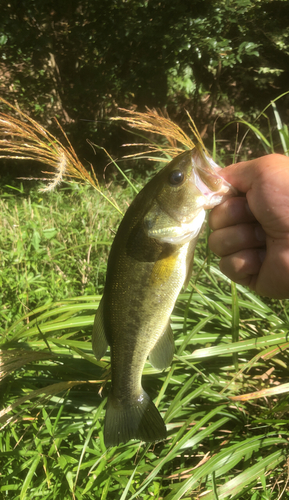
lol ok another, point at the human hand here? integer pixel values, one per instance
(251, 231)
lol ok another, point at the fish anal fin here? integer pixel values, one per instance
(138, 420)
(99, 340)
(162, 354)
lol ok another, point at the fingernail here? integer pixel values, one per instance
(260, 234)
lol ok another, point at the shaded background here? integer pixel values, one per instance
(81, 60)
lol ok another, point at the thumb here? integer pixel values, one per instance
(244, 175)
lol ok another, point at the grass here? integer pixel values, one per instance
(224, 399)
(50, 248)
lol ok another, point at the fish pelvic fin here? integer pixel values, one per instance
(162, 354)
(99, 340)
(138, 420)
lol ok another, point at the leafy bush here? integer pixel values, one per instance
(80, 62)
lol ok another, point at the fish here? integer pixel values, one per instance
(150, 260)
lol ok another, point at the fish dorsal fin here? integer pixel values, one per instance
(99, 340)
(162, 354)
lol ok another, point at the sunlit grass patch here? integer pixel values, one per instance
(213, 440)
(224, 399)
(53, 245)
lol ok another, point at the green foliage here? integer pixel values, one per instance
(52, 438)
(221, 442)
(83, 60)
(271, 133)
(224, 399)
(53, 246)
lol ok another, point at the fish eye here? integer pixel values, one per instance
(176, 177)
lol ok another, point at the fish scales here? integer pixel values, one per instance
(150, 260)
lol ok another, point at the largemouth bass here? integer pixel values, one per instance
(150, 260)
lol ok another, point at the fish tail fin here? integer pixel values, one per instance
(137, 420)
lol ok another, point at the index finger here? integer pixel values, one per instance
(232, 211)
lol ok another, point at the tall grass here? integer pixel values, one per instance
(224, 399)
(53, 245)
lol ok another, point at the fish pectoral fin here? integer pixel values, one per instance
(99, 340)
(138, 419)
(162, 354)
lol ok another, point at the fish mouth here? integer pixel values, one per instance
(206, 178)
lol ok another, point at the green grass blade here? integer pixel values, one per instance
(126, 490)
(236, 485)
(29, 477)
(244, 345)
(283, 131)
(225, 460)
(235, 322)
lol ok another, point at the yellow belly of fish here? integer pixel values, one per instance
(164, 268)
